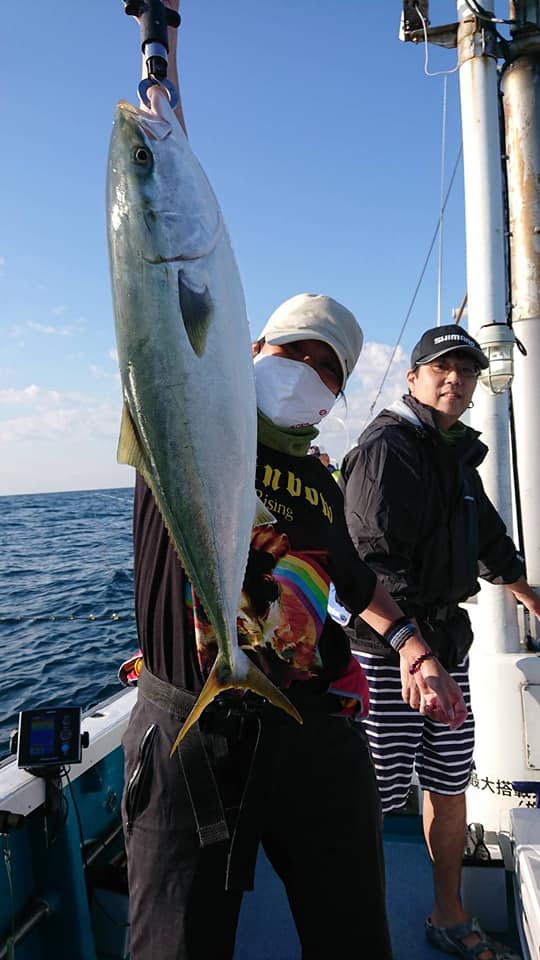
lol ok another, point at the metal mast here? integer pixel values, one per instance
(487, 288)
(521, 89)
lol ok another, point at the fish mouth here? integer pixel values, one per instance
(152, 125)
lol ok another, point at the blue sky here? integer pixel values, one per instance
(321, 135)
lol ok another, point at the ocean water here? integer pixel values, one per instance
(67, 617)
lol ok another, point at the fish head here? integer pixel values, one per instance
(158, 194)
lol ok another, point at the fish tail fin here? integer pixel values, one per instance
(244, 676)
(258, 683)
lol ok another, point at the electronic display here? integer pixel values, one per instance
(49, 736)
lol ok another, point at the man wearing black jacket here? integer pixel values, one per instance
(419, 516)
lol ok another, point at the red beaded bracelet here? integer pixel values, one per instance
(416, 664)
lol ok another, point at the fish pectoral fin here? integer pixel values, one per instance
(262, 514)
(197, 312)
(244, 676)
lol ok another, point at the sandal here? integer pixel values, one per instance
(450, 940)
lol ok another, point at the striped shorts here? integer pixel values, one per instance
(402, 740)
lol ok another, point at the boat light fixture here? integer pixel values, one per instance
(497, 341)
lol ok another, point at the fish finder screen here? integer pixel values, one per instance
(49, 736)
(42, 736)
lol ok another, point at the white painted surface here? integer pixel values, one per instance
(21, 792)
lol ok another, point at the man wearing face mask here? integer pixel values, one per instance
(248, 774)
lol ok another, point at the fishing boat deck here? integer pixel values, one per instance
(52, 877)
(267, 932)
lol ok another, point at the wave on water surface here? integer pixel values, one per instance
(67, 617)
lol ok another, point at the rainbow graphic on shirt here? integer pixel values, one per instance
(284, 630)
(309, 583)
(289, 632)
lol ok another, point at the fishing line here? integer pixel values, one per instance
(441, 211)
(418, 285)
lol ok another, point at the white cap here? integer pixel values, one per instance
(311, 316)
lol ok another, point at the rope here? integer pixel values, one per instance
(92, 617)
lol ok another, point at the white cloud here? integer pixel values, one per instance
(49, 330)
(65, 441)
(68, 329)
(73, 423)
(67, 463)
(29, 395)
(339, 432)
(100, 374)
(33, 412)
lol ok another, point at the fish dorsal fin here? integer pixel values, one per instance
(197, 312)
(262, 514)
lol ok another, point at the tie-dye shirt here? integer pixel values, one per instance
(283, 611)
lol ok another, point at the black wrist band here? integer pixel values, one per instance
(399, 633)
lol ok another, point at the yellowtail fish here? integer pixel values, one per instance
(189, 415)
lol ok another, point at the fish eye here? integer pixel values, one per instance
(141, 156)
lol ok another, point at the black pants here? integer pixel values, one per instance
(312, 802)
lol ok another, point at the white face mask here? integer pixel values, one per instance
(290, 393)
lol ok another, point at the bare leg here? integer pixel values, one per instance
(444, 830)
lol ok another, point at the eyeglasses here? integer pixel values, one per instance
(441, 368)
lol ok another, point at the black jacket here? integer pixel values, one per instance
(419, 516)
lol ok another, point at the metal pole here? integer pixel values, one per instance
(521, 86)
(37, 912)
(486, 287)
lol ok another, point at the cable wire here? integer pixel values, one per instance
(418, 285)
(438, 73)
(96, 899)
(7, 862)
(487, 15)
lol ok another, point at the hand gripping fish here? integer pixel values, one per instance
(189, 413)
